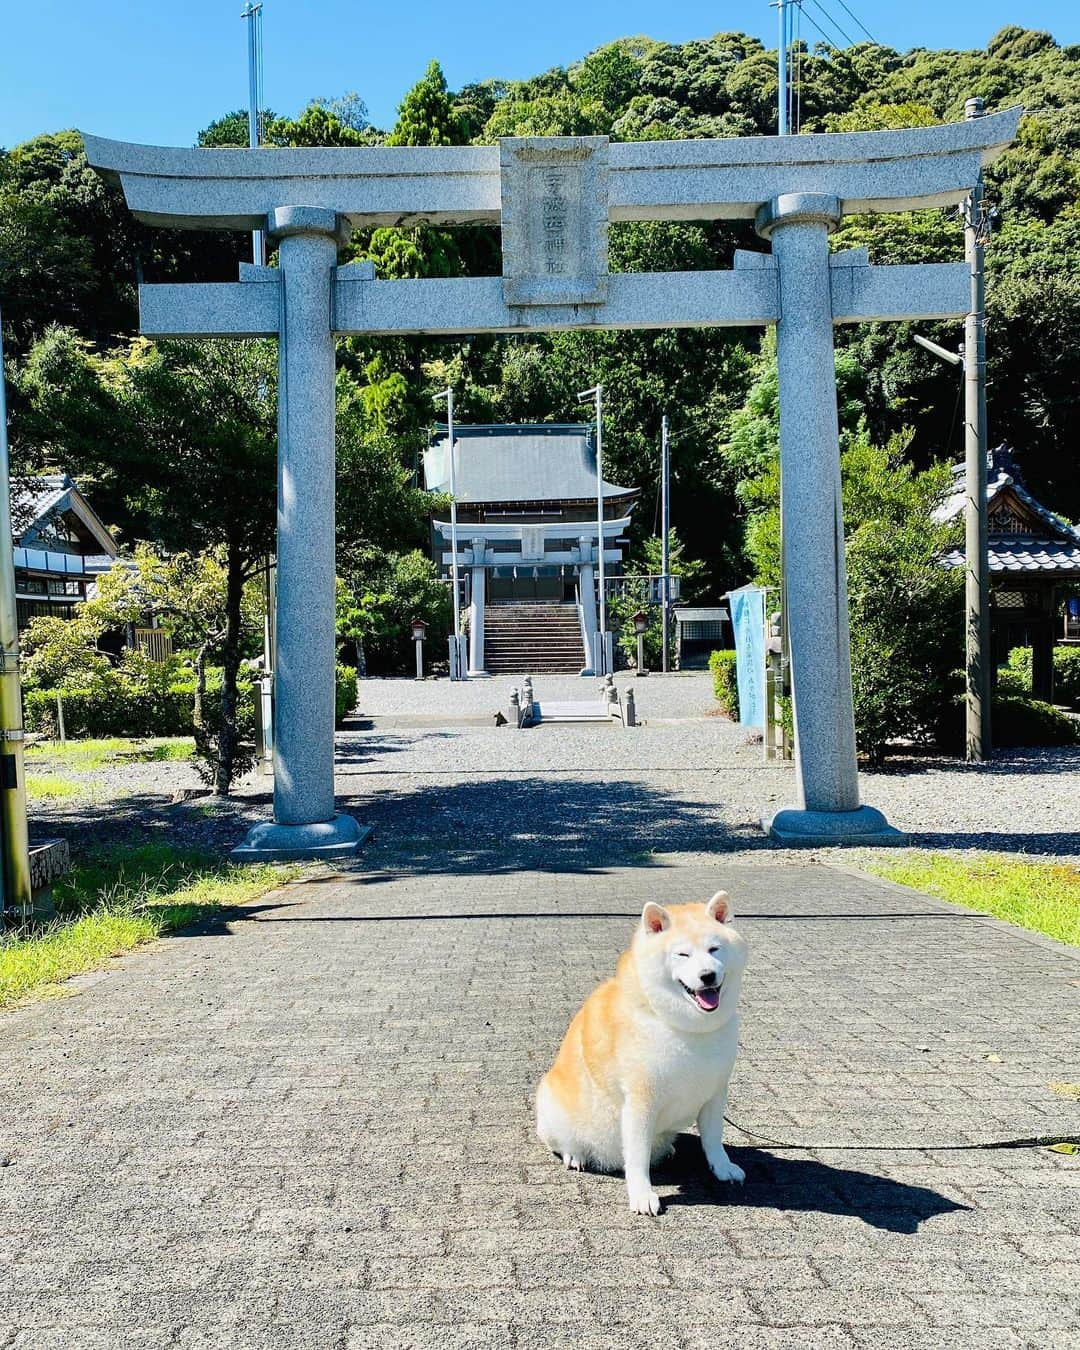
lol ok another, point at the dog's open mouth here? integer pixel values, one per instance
(708, 999)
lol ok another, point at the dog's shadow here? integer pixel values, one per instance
(776, 1181)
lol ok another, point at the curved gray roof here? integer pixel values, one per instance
(545, 462)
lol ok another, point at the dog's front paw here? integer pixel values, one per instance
(644, 1201)
(723, 1169)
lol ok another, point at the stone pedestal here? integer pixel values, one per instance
(812, 529)
(305, 823)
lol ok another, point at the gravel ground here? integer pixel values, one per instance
(447, 789)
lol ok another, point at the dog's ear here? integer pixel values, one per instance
(719, 907)
(655, 918)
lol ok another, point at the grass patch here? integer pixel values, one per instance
(1037, 895)
(45, 786)
(96, 753)
(121, 898)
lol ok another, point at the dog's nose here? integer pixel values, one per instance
(708, 978)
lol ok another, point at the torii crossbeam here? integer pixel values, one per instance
(554, 198)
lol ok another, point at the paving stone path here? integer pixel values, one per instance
(309, 1125)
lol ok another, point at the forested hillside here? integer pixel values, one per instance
(70, 257)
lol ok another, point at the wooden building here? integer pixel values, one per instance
(61, 546)
(1034, 568)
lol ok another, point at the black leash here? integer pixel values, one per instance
(1071, 1143)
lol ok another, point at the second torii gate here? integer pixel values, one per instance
(554, 198)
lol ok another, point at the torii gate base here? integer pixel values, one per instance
(554, 198)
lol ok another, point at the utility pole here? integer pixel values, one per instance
(977, 570)
(597, 393)
(782, 67)
(14, 836)
(252, 12)
(457, 663)
(665, 530)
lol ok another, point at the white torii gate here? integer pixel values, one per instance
(554, 198)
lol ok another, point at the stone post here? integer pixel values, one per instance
(305, 824)
(476, 618)
(827, 808)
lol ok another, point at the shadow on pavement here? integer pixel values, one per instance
(774, 1181)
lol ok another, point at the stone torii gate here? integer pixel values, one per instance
(554, 198)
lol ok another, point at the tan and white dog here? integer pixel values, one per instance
(651, 1051)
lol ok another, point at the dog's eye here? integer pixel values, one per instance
(713, 951)
(682, 956)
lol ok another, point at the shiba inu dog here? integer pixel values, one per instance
(651, 1051)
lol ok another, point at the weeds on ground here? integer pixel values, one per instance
(45, 786)
(96, 753)
(120, 898)
(1038, 895)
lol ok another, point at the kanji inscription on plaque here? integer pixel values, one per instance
(554, 220)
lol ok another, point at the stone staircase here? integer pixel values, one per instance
(532, 639)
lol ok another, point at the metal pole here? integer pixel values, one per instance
(596, 393)
(15, 836)
(600, 516)
(665, 530)
(977, 570)
(781, 69)
(448, 394)
(253, 14)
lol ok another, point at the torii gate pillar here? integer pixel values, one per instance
(305, 823)
(827, 808)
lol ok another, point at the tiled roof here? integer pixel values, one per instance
(998, 478)
(518, 464)
(1022, 554)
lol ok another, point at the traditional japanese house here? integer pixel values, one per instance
(61, 546)
(1034, 568)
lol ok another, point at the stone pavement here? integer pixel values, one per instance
(309, 1125)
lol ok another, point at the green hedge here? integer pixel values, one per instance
(118, 707)
(725, 686)
(1015, 678)
(344, 692)
(115, 706)
(1029, 721)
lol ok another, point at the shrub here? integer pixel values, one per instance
(1015, 721)
(1015, 677)
(112, 705)
(344, 692)
(1029, 721)
(1067, 675)
(725, 686)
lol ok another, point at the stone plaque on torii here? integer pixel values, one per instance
(554, 197)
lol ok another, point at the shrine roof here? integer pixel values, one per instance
(519, 463)
(1023, 555)
(1003, 479)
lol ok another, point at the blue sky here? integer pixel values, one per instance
(158, 72)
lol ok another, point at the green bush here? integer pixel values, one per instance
(725, 685)
(1015, 677)
(1029, 721)
(1015, 721)
(344, 692)
(113, 705)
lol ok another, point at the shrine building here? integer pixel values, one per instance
(528, 531)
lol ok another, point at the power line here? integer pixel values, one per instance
(859, 21)
(831, 40)
(835, 23)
